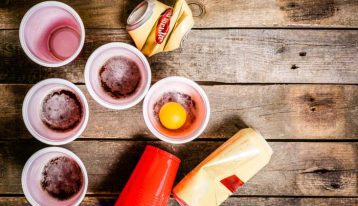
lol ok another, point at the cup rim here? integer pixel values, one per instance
(31, 11)
(34, 89)
(90, 89)
(155, 132)
(162, 152)
(44, 151)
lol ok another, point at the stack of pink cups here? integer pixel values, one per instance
(56, 112)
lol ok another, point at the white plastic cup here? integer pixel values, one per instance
(32, 174)
(184, 86)
(52, 34)
(31, 112)
(92, 71)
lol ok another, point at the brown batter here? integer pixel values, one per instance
(61, 110)
(120, 76)
(62, 178)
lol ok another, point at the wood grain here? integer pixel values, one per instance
(243, 53)
(232, 201)
(207, 13)
(277, 111)
(297, 168)
(229, 56)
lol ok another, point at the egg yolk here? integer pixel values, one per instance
(172, 115)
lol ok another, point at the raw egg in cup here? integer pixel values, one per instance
(176, 110)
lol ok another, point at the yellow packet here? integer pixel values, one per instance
(225, 170)
(156, 27)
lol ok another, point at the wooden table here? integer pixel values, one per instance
(288, 68)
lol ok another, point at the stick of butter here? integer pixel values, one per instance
(225, 170)
(156, 27)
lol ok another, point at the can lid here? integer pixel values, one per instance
(162, 152)
(140, 14)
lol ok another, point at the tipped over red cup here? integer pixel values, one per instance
(152, 180)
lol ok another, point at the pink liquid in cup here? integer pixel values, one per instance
(185, 92)
(113, 62)
(52, 34)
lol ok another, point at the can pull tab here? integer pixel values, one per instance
(232, 183)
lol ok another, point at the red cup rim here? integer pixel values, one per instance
(162, 152)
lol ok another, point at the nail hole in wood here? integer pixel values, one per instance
(294, 66)
(335, 185)
(291, 5)
(303, 54)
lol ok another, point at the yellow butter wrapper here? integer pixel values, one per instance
(155, 27)
(225, 170)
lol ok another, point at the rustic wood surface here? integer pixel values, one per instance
(232, 201)
(208, 13)
(235, 56)
(277, 111)
(296, 168)
(285, 67)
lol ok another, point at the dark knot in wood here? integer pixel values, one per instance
(197, 8)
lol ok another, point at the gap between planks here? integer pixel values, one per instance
(207, 13)
(210, 139)
(262, 201)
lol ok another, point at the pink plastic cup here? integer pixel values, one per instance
(32, 174)
(183, 86)
(31, 112)
(92, 71)
(52, 34)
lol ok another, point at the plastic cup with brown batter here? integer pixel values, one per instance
(55, 111)
(54, 176)
(117, 75)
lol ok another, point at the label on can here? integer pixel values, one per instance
(163, 25)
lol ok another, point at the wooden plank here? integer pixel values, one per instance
(278, 111)
(296, 168)
(232, 201)
(207, 13)
(240, 56)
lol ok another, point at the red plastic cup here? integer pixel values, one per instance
(152, 180)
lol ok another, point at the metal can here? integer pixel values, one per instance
(142, 20)
(156, 27)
